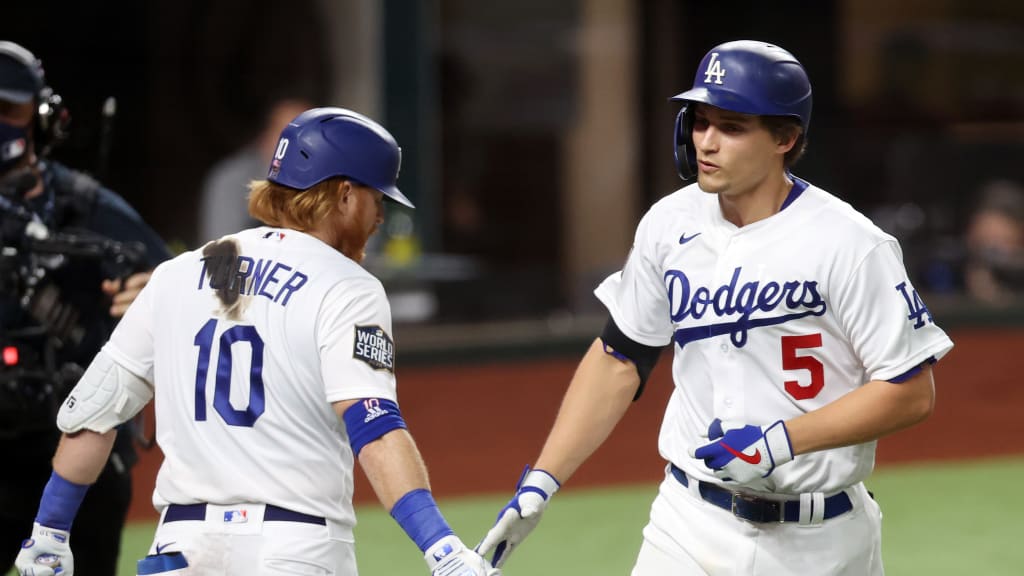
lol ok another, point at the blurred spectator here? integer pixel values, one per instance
(994, 266)
(58, 305)
(223, 205)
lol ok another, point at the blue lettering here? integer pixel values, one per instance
(918, 311)
(296, 281)
(212, 264)
(250, 277)
(769, 297)
(811, 295)
(202, 275)
(801, 298)
(726, 292)
(678, 302)
(701, 299)
(218, 269)
(272, 279)
(746, 298)
(259, 275)
(789, 289)
(238, 280)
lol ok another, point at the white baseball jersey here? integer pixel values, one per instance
(770, 320)
(248, 341)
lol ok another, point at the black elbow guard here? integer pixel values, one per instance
(621, 346)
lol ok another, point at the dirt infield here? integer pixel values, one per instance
(477, 425)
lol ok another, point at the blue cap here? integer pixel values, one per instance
(325, 143)
(752, 77)
(21, 74)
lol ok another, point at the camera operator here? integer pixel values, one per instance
(57, 308)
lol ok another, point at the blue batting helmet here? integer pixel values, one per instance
(326, 142)
(743, 76)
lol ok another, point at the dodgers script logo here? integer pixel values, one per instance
(736, 303)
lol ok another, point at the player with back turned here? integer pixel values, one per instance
(270, 356)
(798, 341)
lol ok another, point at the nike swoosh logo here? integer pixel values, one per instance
(754, 459)
(683, 239)
(160, 547)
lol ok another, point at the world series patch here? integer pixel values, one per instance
(373, 346)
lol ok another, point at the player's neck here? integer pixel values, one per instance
(755, 204)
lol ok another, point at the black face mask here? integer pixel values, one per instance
(14, 143)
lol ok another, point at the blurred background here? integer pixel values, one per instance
(535, 134)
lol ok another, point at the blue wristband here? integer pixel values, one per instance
(419, 516)
(60, 502)
(370, 419)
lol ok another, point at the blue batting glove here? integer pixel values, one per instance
(745, 453)
(520, 516)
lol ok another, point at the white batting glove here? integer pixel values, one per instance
(747, 453)
(46, 553)
(520, 516)
(450, 557)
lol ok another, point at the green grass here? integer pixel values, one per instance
(939, 519)
(952, 519)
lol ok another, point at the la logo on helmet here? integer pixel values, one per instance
(714, 69)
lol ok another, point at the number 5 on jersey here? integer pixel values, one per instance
(790, 361)
(204, 339)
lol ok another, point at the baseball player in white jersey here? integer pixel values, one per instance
(270, 358)
(798, 341)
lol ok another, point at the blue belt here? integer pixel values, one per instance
(755, 509)
(271, 513)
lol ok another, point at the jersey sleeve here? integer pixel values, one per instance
(888, 324)
(131, 343)
(635, 296)
(357, 352)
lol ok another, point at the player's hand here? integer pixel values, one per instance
(46, 553)
(450, 557)
(745, 453)
(716, 430)
(520, 516)
(124, 292)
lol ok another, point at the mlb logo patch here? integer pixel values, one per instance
(236, 516)
(373, 346)
(13, 149)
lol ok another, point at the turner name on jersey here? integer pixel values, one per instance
(247, 276)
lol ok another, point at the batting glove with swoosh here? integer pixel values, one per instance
(520, 516)
(746, 453)
(46, 553)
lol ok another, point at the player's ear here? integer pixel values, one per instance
(346, 194)
(787, 138)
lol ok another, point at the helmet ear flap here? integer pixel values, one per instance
(685, 154)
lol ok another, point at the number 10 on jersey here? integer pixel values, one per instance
(204, 339)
